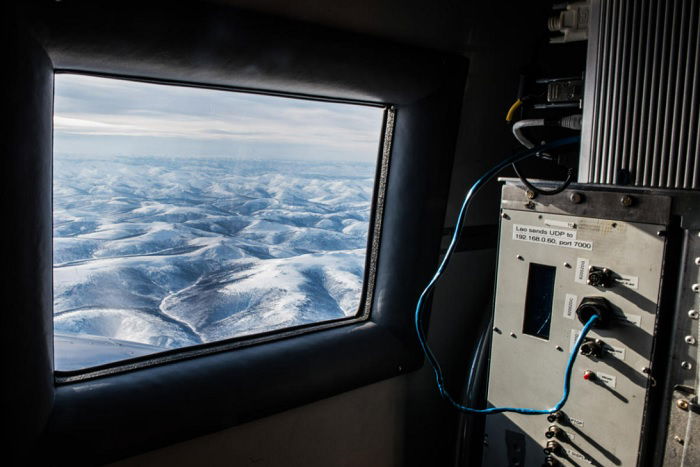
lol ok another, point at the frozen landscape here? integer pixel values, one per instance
(186, 215)
(172, 252)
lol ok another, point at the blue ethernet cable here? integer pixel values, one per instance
(419, 314)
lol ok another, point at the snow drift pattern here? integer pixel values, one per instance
(175, 252)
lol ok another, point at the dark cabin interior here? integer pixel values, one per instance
(354, 391)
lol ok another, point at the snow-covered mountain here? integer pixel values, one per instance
(175, 252)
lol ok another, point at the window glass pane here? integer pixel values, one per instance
(186, 215)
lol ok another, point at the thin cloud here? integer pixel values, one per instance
(90, 111)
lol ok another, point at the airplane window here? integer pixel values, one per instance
(184, 216)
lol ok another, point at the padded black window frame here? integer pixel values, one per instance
(223, 345)
(117, 415)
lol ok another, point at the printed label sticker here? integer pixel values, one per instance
(628, 281)
(570, 303)
(550, 236)
(581, 272)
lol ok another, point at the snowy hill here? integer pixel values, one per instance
(175, 252)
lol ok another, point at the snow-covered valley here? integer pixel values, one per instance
(172, 252)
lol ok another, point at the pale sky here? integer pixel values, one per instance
(101, 117)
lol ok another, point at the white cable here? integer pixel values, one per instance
(523, 124)
(572, 122)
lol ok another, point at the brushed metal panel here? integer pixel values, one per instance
(642, 96)
(528, 372)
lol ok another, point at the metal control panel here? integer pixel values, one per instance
(557, 256)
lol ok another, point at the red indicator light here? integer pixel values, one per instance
(588, 375)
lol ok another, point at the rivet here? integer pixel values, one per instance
(682, 404)
(531, 194)
(512, 334)
(496, 330)
(686, 365)
(678, 439)
(696, 288)
(697, 261)
(519, 257)
(505, 216)
(660, 233)
(558, 347)
(567, 265)
(627, 201)
(575, 197)
(693, 314)
(689, 340)
(646, 370)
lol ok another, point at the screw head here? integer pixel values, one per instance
(505, 216)
(697, 261)
(682, 404)
(696, 288)
(576, 197)
(531, 194)
(686, 365)
(627, 201)
(512, 334)
(689, 340)
(693, 314)
(519, 257)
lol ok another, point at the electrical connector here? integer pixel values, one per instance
(572, 22)
(595, 306)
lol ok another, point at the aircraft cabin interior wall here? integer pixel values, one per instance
(303, 173)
